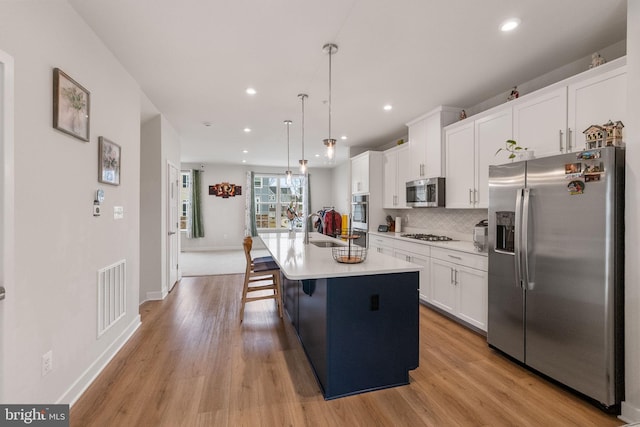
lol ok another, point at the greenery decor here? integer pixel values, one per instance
(512, 147)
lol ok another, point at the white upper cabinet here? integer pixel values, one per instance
(491, 134)
(360, 174)
(595, 101)
(470, 149)
(540, 122)
(461, 164)
(395, 161)
(425, 142)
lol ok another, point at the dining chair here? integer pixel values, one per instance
(261, 275)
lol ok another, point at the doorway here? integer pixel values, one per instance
(173, 226)
(7, 317)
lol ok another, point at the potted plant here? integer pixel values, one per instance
(515, 150)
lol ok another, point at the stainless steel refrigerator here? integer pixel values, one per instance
(556, 273)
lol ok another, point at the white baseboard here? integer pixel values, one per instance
(629, 414)
(156, 296)
(212, 248)
(81, 384)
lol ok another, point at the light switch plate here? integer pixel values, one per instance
(118, 212)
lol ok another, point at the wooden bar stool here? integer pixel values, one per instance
(261, 274)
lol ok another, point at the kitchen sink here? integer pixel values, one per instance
(325, 244)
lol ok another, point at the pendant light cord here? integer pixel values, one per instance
(330, 55)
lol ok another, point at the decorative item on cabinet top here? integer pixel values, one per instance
(596, 60)
(609, 134)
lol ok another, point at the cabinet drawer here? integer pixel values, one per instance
(380, 242)
(416, 248)
(479, 262)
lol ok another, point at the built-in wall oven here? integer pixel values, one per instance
(360, 218)
(360, 211)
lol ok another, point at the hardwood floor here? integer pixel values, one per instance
(192, 363)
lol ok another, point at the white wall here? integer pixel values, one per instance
(224, 219)
(631, 405)
(159, 145)
(341, 187)
(60, 245)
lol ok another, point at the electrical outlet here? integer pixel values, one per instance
(47, 362)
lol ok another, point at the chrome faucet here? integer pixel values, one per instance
(306, 227)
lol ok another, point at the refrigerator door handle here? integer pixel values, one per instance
(517, 246)
(528, 284)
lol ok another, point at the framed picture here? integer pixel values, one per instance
(108, 161)
(70, 106)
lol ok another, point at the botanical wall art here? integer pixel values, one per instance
(70, 106)
(225, 190)
(108, 161)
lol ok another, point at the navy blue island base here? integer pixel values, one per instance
(360, 333)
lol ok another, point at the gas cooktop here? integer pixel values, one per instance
(428, 237)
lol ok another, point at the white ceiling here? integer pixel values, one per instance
(194, 59)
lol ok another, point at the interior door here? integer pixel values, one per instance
(173, 204)
(7, 322)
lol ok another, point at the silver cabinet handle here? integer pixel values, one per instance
(171, 233)
(454, 257)
(470, 202)
(451, 280)
(569, 144)
(455, 278)
(475, 196)
(560, 139)
(3, 292)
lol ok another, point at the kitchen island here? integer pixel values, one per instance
(358, 323)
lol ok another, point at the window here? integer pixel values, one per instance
(185, 200)
(274, 199)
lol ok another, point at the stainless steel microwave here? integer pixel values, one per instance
(426, 193)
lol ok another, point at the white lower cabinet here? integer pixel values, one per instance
(383, 245)
(422, 259)
(459, 285)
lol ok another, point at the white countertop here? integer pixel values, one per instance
(299, 261)
(456, 245)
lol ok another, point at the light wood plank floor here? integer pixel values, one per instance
(192, 363)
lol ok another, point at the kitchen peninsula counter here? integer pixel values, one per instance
(358, 323)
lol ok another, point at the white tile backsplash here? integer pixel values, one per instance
(455, 223)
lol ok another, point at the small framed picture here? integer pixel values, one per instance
(108, 161)
(71, 104)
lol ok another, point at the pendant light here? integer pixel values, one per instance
(288, 172)
(303, 161)
(330, 143)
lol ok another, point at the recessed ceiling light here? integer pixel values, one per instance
(247, 130)
(317, 155)
(245, 151)
(251, 91)
(510, 24)
(343, 137)
(244, 161)
(388, 107)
